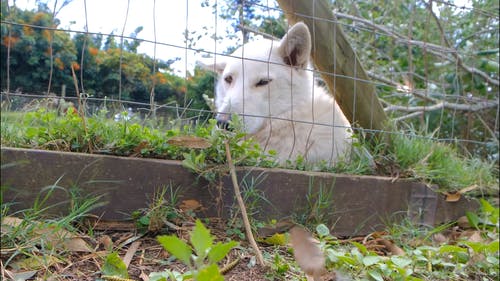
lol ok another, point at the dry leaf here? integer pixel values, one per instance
(106, 242)
(36, 262)
(76, 245)
(391, 247)
(144, 276)
(452, 197)
(307, 253)
(130, 253)
(189, 142)
(439, 239)
(455, 196)
(20, 276)
(190, 205)
(463, 222)
(55, 236)
(467, 189)
(472, 236)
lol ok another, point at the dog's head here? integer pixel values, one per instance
(258, 80)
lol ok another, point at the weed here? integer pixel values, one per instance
(161, 212)
(202, 262)
(31, 239)
(402, 154)
(463, 259)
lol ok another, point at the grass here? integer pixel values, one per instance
(403, 155)
(33, 239)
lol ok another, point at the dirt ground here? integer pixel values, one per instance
(143, 254)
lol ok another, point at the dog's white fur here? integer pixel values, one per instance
(268, 83)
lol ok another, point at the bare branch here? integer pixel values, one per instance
(446, 105)
(434, 49)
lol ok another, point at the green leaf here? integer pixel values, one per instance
(114, 266)
(201, 239)
(473, 219)
(451, 249)
(400, 261)
(219, 251)
(322, 230)
(176, 247)
(493, 247)
(375, 275)
(159, 276)
(361, 247)
(209, 273)
(371, 260)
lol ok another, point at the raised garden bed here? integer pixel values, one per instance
(359, 204)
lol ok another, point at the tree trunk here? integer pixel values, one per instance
(339, 66)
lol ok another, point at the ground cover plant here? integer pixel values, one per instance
(401, 154)
(39, 246)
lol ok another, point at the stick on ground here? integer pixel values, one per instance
(243, 209)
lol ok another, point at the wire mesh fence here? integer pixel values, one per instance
(432, 65)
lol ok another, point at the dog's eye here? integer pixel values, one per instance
(228, 79)
(263, 82)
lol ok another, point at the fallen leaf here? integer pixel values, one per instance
(391, 247)
(11, 221)
(190, 205)
(106, 242)
(307, 253)
(76, 244)
(189, 142)
(467, 189)
(463, 222)
(455, 196)
(472, 236)
(452, 197)
(144, 276)
(54, 235)
(439, 238)
(20, 276)
(36, 262)
(130, 253)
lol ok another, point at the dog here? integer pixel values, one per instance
(271, 86)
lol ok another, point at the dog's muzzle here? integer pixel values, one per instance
(223, 120)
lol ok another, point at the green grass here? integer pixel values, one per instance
(406, 155)
(36, 239)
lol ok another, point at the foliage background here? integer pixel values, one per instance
(434, 63)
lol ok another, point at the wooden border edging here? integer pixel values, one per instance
(359, 204)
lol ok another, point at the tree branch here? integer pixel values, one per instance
(434, 49)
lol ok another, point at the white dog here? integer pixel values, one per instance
(268, 84)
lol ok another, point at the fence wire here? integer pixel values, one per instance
(434, 64)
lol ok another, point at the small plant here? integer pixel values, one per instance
(201, 259)
(161, 211)
(465, 258)
(34, 240)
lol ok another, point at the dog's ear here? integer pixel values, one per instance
(211, 65)
(295, 47)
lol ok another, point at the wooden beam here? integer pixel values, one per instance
(337, 62)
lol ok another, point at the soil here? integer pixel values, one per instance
(148, 257)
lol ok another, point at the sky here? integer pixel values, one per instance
(170, 18)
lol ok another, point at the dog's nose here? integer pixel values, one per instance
(223, 120)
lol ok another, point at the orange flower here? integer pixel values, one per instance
(9, 40)
(75, 66)
(27, 30)
(59, 63)
(93, 51)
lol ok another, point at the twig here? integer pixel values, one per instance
(243, 209)
(435, 49)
